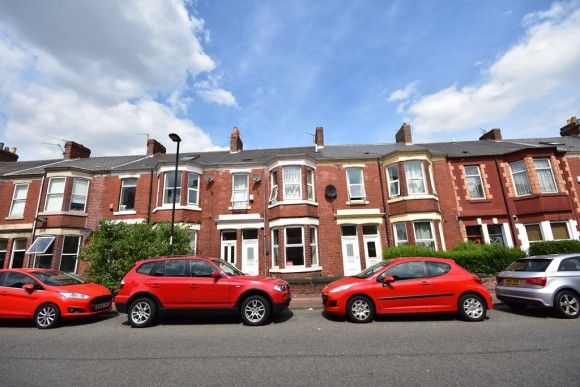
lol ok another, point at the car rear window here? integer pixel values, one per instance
(146, 268)
(530, 265)
(2, 276)
(436, 269)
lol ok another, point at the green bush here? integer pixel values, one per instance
(115, 247)
(482, 259)
(555, 247)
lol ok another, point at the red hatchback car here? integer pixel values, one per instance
(196, 284)
(408, 285)
(48, 296)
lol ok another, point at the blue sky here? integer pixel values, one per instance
(99, 73)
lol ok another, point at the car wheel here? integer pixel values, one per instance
(360, 309)
(516, 305)
(142, 312)
(46, 316)
(472, 307)
(255, 310)
(567, 304)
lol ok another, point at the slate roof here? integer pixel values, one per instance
(259, 157)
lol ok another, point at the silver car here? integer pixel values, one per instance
(545, 280)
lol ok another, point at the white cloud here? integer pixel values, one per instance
(106, 62)
(210, 92)
(546, 60)
(404, 93)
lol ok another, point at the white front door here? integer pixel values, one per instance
(250, 252)
(372, 244)
(228, 247)
(350, 251)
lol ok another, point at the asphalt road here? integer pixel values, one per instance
(301, 347)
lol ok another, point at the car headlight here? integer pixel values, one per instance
(280, 288)
(74, 295)
(341, 288)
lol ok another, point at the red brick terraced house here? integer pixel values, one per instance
(302, 213)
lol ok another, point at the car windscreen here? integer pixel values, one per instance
(227, 267)
(529, 265)
(370, 271)
(57, 278)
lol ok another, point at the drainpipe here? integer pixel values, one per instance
(150, 197)
(387, 227)
(505, 198)
(37, 211)
(266, 195)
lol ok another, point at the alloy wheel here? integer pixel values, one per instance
(46, 316)
(473, 308)
(569, 304)
(255, 311)
(360, 310)
(141, 312)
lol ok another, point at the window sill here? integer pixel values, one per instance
(244, 208)
(539, 195)
(412, 197)
(127, 212)
(475, 201)
(357, 202)
(14, 217)
(69, 213)
(177, 207)
(298, 269)
(292, 202)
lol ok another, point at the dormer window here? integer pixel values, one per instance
(356, 189)
(240, 191)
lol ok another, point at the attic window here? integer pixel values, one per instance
(247, 159)
(465, 152)
(551, 143)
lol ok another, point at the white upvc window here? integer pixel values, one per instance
(42, 249)
(314, 245)
(193, 241)
(415, 176)
(310, 184)
(394, 180)
(3, 250)
(18, 199)
(424, 234)
(520, 178)
(294, 244)
(275, 247)
(534, 232)
(128, 193)
(355, 180)
(193, 189)
(292, 182)
(70, 253)
(55, 194)
(400, 231)
(560, 230)
(240, 191)
(545, 176)
(80, 191)
(172, 187)
(273, 187)
(474, 182)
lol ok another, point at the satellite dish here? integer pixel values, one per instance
(330, 191)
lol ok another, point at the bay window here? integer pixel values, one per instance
(545, 175)
(424, 234)
(275, 247)
(394, 180)
(80, 191)
(310, 184)
(294, 245)
(273, 187)
(70, 253)
(520, 178)
(193, 189)
(314, 245)
(415, 177)
(172, 187)
(54, 194)
(292, 183)
(400, 234)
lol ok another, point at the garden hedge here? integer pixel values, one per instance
(555, 247)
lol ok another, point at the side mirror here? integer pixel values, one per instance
(388, 279)
(29, 288)
(216, 275)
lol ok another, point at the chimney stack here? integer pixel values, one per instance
(236, 144)
(572, 128)
(403, 136)
(319, 138)
(493, 134)
(73, 150)
(7, 154)
(154, 147)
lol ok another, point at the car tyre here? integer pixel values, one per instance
(255, 310)
(472, 307)
(47, 316)
(360, 309)
(142, 312)
(567, 304)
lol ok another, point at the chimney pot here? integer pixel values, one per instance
(154, 147)
(73, 150)
(572, 128)
(12, 149)
(236, 144)
(7, 154)
(493, 134)
(404, 135)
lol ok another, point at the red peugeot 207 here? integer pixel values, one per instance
(408, 285)
(49, 296)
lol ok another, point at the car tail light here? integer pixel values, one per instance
(539, 281)
(122, 284)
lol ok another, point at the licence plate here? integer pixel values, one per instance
(513, 281)
(102, 305)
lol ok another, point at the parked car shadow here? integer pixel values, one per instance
(28, 323)
(529, 311)
(403, 317)
(11, 323)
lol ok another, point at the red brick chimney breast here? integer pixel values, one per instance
(572, 128)
(154, 147)
(404, 136)
(319, 137)
(493, 134)
(236, 144)
(73, 150)
(7, 154)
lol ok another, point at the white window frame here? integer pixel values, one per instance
(396, 181)
(33, 247)
(397, 240)
(15, 200)
(525, 172)
(14, 251)
(174, 188)
(240, 197)
(567, 230)
(124, 185)
(432, 229)
(76, 255)
(275, 247)
(83, 195)
(190, 189)
(292, 183)
(273, 187)
(3, 249)
(287, 245)
(542, 235)
(54, 195)
(310, 184)
(478, 177)
(408, 179)
(350, 185)
(549, 168)
(314, 247)
(193, 241)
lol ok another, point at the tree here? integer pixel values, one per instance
(114, 248)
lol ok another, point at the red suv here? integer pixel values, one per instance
(186, 284)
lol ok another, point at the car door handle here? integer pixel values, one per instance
(193, 286)
(425, 283)
(155, 286)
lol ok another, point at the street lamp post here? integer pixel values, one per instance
(175, 138)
